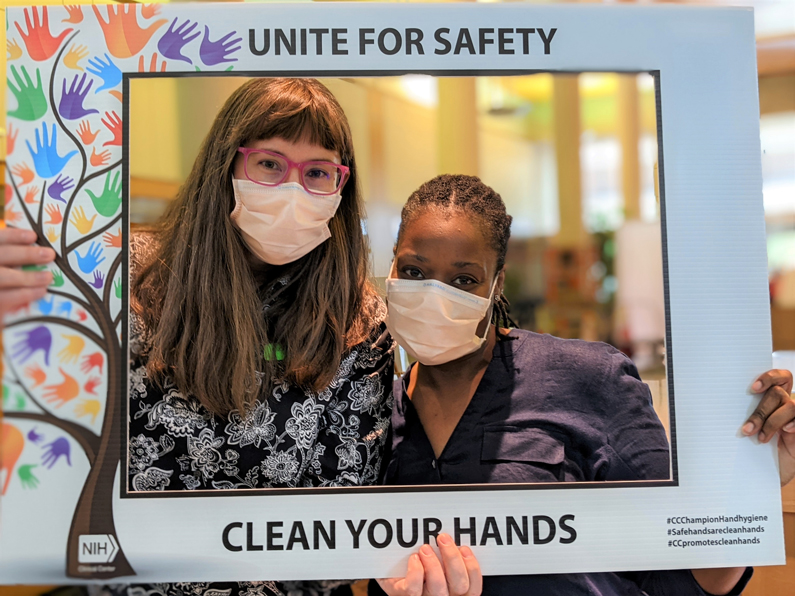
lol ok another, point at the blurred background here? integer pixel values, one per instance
(573, 156)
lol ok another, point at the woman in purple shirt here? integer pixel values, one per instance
(486, 404)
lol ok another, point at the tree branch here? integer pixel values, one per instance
(108, 282)
(80, 302)
(93, 235)
(59, 321)
(87, 439)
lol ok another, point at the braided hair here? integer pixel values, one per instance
(469, 195)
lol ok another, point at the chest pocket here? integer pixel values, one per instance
(514, 454)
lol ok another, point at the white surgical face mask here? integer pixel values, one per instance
(280, 224)
(434, 322)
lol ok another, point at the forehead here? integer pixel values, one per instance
(437, 230)
(302, 149)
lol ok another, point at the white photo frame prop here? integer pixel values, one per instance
(722, 506)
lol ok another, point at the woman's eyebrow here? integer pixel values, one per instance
(416, 257)
(461, 264)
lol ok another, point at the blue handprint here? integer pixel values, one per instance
(53, 451)
(38, 338)
(45, 306)
(65, 308)
(45, 158)
(91, 259)
(173, 40)
(107, 71)
(60, 186)
(216, 52)
(71, 106)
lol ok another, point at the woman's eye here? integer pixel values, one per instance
(270, 164)
(317, 173)
(463, 280)
(413, 273)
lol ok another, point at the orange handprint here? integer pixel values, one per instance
(84, 130)
(31, 195)
(13, 49)
(54, 213)
(113, 124)
(88, 407)
(72, 350)
(117, 95)
(52, 235)
(99, 159)
(75, 14)
(39, 41)
(22, 171)
(74, 56)
(11, 216)
(35, 374)
(123, 35)
(81, 222)
(91, 385)
(111, 240)
(152, 64)
(149, 10)
(11, 139)
(63, 392)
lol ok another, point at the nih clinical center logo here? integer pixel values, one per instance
(97, 548)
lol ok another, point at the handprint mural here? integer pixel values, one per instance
(64, 365)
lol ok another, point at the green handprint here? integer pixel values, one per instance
(31, 103)
(57, 279)
(6, 394)
(20, 404)
(26, 476)
(34, 267)
(117, 288)
(108, 202)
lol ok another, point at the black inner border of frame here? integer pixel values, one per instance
(430, 488)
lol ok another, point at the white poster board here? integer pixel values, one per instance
(71, 522)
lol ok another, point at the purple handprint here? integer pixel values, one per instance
(38, 338)
(45, 158)
(71, 106)
(173, 40)
(93, 257)
(35, 437)
(99, 280)
(53, 451)
(60, 186)
(216, 52)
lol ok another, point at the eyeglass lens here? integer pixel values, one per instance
(317, 176)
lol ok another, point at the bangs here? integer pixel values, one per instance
(301, 111)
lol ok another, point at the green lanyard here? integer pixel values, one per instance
(273, 351)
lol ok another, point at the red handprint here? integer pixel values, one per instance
(75, 14)
(24, 173)
(91, 385)
(54, 213)
(152, 64)
(39, 41)
(81, 315)
(84, 130)
(91, 361)
(63, 392)
(112, 240)
(32, 195)
(113, 124)
(11, 139)
(35, 374)
(123, 35)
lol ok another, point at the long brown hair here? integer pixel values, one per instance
(211, 318)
